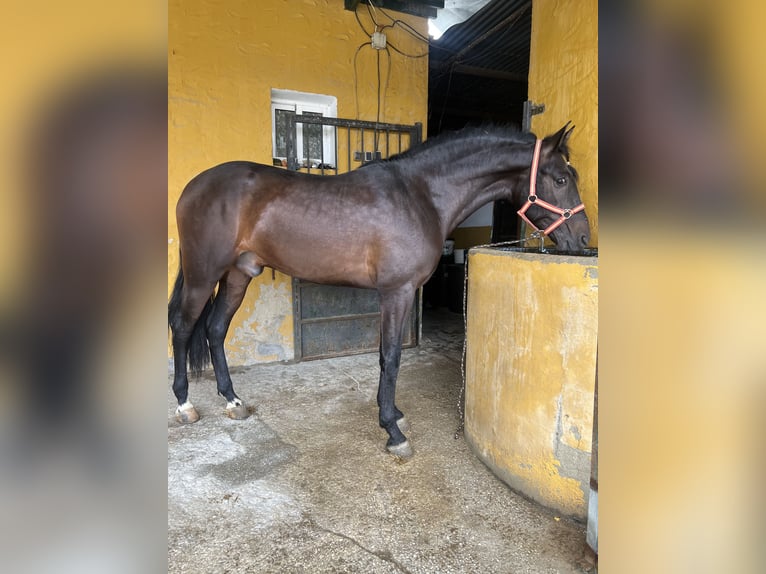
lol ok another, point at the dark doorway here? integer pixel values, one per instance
(478, 69)
(478, 73)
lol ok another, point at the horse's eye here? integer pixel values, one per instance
(561, 181)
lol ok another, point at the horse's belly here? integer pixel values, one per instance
(334, 263)
(328, 242)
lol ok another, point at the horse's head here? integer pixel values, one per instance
(560, 213)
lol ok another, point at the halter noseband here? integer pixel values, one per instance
(534, 200)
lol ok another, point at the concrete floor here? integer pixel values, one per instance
(305, 484)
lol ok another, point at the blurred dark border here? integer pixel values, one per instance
(83, 476)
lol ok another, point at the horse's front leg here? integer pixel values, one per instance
(394, 308)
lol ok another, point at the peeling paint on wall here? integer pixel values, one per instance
(258, 338)
(530, 372)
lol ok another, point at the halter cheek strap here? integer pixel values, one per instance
(564, 214)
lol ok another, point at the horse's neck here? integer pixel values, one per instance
(473, 178)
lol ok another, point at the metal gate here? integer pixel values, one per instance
(333, 321)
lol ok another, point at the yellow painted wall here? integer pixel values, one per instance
(224, 59)
(530, 371)
(466, 237)
(563, 74)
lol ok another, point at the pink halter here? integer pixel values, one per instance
(533, 199)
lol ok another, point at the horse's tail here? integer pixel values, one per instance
(197, 348)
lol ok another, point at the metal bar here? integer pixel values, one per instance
(434, 3)
(297, 325)
(291, 131)
(321, 153)
(415, 133)
(530, 109)
(361, 124)
(350, 4)
(421, 8)
(340, 318)
(418, 130)
(348, 148)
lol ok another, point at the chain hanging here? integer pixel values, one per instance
(537, 234)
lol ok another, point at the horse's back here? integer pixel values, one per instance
(336, 229)
(225, 180)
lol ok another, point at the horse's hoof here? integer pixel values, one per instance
(402, 450)
(237, 410)
(187, 414)
(404, 425)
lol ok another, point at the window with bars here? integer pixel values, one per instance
(314, 144)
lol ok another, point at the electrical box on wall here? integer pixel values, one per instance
(378, 40)
(367, 156)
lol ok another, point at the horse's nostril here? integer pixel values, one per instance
(584, 240)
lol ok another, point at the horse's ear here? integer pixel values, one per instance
(559, 140)
(564, 138)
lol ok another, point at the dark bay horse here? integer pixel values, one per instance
(379, 227)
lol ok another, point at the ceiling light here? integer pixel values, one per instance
(433, 31)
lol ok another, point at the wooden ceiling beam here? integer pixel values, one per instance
(434, 3)
(421, 8)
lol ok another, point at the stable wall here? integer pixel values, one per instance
(224, 58)
(563, 75)
(531, 371)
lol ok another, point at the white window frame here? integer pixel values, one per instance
(300, 102)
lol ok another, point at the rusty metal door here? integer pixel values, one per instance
(334, 321)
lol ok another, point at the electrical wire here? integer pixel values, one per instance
(370, 10)
(377, 117)
(382, 91)
(385, 91)
(356, 13)
(356, 78)
(446, 97)
(404, 25)
(423, 55)
(395, 22)
(388, 77)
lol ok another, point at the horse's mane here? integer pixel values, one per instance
(465, 136)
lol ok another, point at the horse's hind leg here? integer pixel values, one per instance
(394, 307)
(187, 306)
(231, 291)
